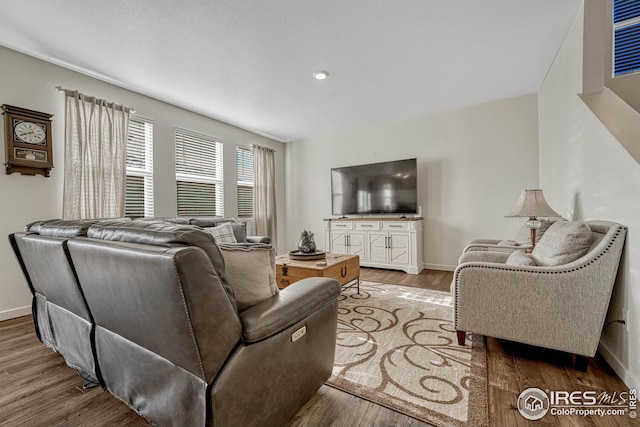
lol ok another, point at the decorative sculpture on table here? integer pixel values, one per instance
(306, 244)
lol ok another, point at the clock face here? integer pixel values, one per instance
(30, 133)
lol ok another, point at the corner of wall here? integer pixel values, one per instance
(618, 117)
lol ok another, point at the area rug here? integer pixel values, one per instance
(396, 347)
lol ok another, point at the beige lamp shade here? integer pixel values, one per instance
(532, 204)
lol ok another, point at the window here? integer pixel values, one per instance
(199, 174)
(626, 37)
(139, 181)
(244, 158)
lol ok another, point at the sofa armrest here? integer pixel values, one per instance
(258, 239)
(477, 247)
(496, 257)
(484, 242)
(288, 307)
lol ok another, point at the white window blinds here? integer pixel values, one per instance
(139, 181)
(199, 172)
(244, 158)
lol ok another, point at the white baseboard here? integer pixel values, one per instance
(15, 312)
(405, 268)
(442, 267)
(627, 377)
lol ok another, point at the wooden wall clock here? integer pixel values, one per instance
(27, 141)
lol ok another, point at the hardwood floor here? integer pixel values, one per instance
(38, 389)
(427, 279)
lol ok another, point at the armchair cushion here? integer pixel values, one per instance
(508, 243)
(240, 231)
(251, 270)
(563, 243)
(519, 257)
(222, 233)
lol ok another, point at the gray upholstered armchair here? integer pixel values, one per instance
(545, 298)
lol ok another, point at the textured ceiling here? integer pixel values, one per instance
(250, 63)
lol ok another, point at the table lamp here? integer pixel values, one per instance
(532, 205)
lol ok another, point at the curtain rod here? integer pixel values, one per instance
(72, 92)
(260, 147)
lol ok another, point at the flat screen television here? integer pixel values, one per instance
(377, 188)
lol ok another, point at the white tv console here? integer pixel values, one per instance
(382, 242)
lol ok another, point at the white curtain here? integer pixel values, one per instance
(95, 157)
(264, 192)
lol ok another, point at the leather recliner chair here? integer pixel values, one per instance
(61, 317)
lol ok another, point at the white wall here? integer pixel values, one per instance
(28, 82)
(587, 174)
(472, 164)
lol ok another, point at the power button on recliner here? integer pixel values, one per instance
(298, 334)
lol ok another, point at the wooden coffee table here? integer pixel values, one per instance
(341, 267)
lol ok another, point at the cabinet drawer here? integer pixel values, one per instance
(395, 225)
(368, 225)
(341, 225)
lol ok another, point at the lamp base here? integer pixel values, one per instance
(533, 225)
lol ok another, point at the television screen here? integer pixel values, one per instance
(389, 187)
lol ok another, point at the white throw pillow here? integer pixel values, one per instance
(563, 243)
(251, 272)
(520, 258)
(222, 233)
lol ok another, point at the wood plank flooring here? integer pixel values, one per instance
(38, 389)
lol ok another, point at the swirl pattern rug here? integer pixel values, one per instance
(396, 347)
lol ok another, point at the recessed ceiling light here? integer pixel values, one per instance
(321, 75)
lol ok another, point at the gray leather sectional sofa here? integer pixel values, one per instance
(145, 309)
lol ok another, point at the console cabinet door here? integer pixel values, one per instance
(338, 242)
(399, 248)
(343, 242)
(377, 245)
(355, 240)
